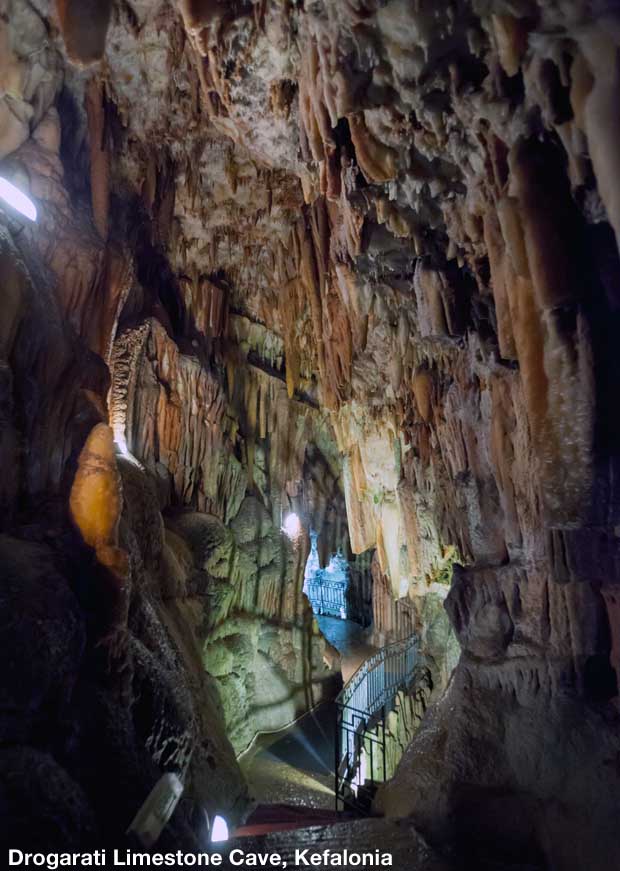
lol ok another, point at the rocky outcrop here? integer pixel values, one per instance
(208, 442)
(256, 630)
(100, 686)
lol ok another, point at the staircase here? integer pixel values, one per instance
(362, 709)
(352, 731)
(286, 830)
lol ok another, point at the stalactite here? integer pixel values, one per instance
(84, 28)
(377, 162)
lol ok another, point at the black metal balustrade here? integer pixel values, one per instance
(362, 706)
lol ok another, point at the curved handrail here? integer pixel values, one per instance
(368, 691)
(405, 650)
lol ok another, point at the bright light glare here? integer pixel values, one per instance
(121, 444)
(18, 200)
(219, 832)
(292, 526)
(360, 774)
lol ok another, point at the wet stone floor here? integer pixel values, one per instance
(349, 639)
(296, 765)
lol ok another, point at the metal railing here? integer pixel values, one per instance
(327, 597)
(362, 708)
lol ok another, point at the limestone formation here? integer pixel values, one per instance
(353, 260)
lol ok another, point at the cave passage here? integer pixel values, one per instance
(327, 588)
(309, 432)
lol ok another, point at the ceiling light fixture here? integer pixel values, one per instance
(17, 199)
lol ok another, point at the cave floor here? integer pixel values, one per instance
(349, 639)
(295, 765)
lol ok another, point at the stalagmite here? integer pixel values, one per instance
(96, 495)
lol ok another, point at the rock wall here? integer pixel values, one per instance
(209, 444)
(103, 684)
(451, 282)
(148, 473)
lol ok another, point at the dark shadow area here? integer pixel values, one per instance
(309, 744)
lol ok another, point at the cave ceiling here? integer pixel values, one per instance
(252, 131)
(368, 201)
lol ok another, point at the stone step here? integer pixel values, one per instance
(408, 850)
(376, 837)
(282, 817)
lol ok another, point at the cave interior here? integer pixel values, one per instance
(309, 372)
